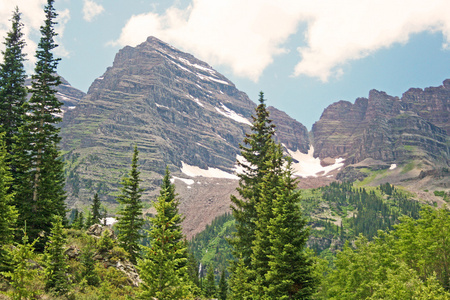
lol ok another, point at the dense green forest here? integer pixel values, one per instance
(336, 242)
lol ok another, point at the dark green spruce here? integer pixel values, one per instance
(270, 241)
(130, 221)
(13, 93)
(163, 268)
(39, 178)
(255, 152)
(95, 210)
(56, 265)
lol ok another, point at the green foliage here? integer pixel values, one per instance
(360, 210)
(8, 213)
(89, 273)
(95, 208)
(271, 233)
(13, 92)
(24, 274)
(443, 194)
(39, 178)
(130, 220)
(106, 241)
(163, 269)
(55, 261)
(290, 269)
(406, 263)
(209, 285)
(223, 286)
(255, 151)
(210, 247)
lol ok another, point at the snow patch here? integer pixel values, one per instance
(309, 166)
(101, 78)
(186, 181)
(393, 166)
(186, 62)
(202, 77)
(161, 106)
(109, 221)
(196, 100)
(225, 111)
(71, 107)
(181, 67)
(193, 171)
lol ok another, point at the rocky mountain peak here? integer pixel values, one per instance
(387, 128)
(179, 112)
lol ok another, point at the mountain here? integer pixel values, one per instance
(182, 113)
(384, 131)
(177, 109)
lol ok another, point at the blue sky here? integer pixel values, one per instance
(303, 54)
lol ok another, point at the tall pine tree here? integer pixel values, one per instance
(269, 248)
(13, 92)
(255, 154)
(163, 269)
(130, 220)
(40, 179)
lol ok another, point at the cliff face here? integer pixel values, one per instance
(177, 109)
(387, 128)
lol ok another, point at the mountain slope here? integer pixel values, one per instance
(177, 109)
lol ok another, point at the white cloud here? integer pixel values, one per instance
(91, 10)
(247, 35)
(32, 16)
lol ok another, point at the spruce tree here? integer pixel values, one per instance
(290, 269)
(271, 234)
(223, 286)
(8, 213)
(209, 285)
(95, 208)
(130, 220)
(55, 261)
(255, 154)
(163, 269)
(13, 92)
(40, 178)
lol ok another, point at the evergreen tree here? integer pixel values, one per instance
(163, 269)
(8, 213)
(88, 262)
(78, 222)
(130, 220)
(40, 178)
(271, 233)
(255, 153)
(209, 286)
(55, 260)
(223, 286)
(88, 220)
(95, 208)
(13, 92)
(192, 267)
(290, 269)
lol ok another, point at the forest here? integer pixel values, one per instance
(336, 242)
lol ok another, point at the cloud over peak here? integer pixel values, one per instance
(247, 35)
